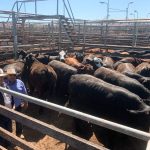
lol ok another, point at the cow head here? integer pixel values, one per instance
(29, 59)
(21, 54)
(98, 62)
(62, 55)
(79, 56)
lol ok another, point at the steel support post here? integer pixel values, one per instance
(49, 35)
(57, 7)
(52, 26)
(106, 33)
(84, 34)
(23, 31)
(60, 38)
(14, 29)
(4, 27)
(79, 33)
(134, 35)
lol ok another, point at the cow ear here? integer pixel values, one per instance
(18, 52)
(132, 111)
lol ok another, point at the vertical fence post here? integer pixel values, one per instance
(4, 27)
(84, 32)
(23, 31)
(60, 39)
(79, 33)
(57, 7)
(14, 29)
(106, 34)
(134, 35)
(49, 35)
(101, 32)
(52, 29)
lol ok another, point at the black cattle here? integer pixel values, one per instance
(40, 78)
(64, 72)
(21, 54)
(79, 56)
(99, 98)
(143, 69)
(42, 58)
(116, 78)
(143, 80)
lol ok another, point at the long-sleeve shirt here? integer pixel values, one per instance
(7, 100)
(17, 86)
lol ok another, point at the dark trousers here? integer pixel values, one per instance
(19, 126)
(5, 123)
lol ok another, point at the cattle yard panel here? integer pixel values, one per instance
(51, 32)
(16, 140)
(47, 129)
(86, 117)
(2, 148)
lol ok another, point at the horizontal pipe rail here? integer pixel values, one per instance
(16, 140)
(148, 145)
(2, 148)
(50, 130)
(86, 117)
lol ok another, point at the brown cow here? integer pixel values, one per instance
(87, 68)
(125, 67)
(108, 62)
(41, 78)
(132, 60)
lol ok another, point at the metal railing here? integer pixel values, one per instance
(86, 117)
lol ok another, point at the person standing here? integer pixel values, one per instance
(5, 99)
(18, 104)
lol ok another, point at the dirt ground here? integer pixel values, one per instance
(45, 142)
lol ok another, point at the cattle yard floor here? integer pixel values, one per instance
(45, 142)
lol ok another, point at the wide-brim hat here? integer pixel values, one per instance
(11, 71)
(2, 74)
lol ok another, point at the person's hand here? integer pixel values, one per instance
(14, 107)
(24, 105)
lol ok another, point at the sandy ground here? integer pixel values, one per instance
(45, 142)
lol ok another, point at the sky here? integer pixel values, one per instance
(88, 9)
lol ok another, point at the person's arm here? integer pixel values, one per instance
(7, 100)
(24, 104)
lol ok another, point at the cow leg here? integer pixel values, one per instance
(104, 136)
(83, 129)
(31, 90)
(41, 96)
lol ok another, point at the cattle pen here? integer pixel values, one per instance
(40, 34)
(72, 140)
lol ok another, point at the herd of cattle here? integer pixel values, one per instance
(114, 89)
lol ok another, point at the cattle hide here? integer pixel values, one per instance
(143, 69)
(64, 72)
(116, 78)
(96, 97)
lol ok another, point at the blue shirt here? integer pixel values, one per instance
(17, 86)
